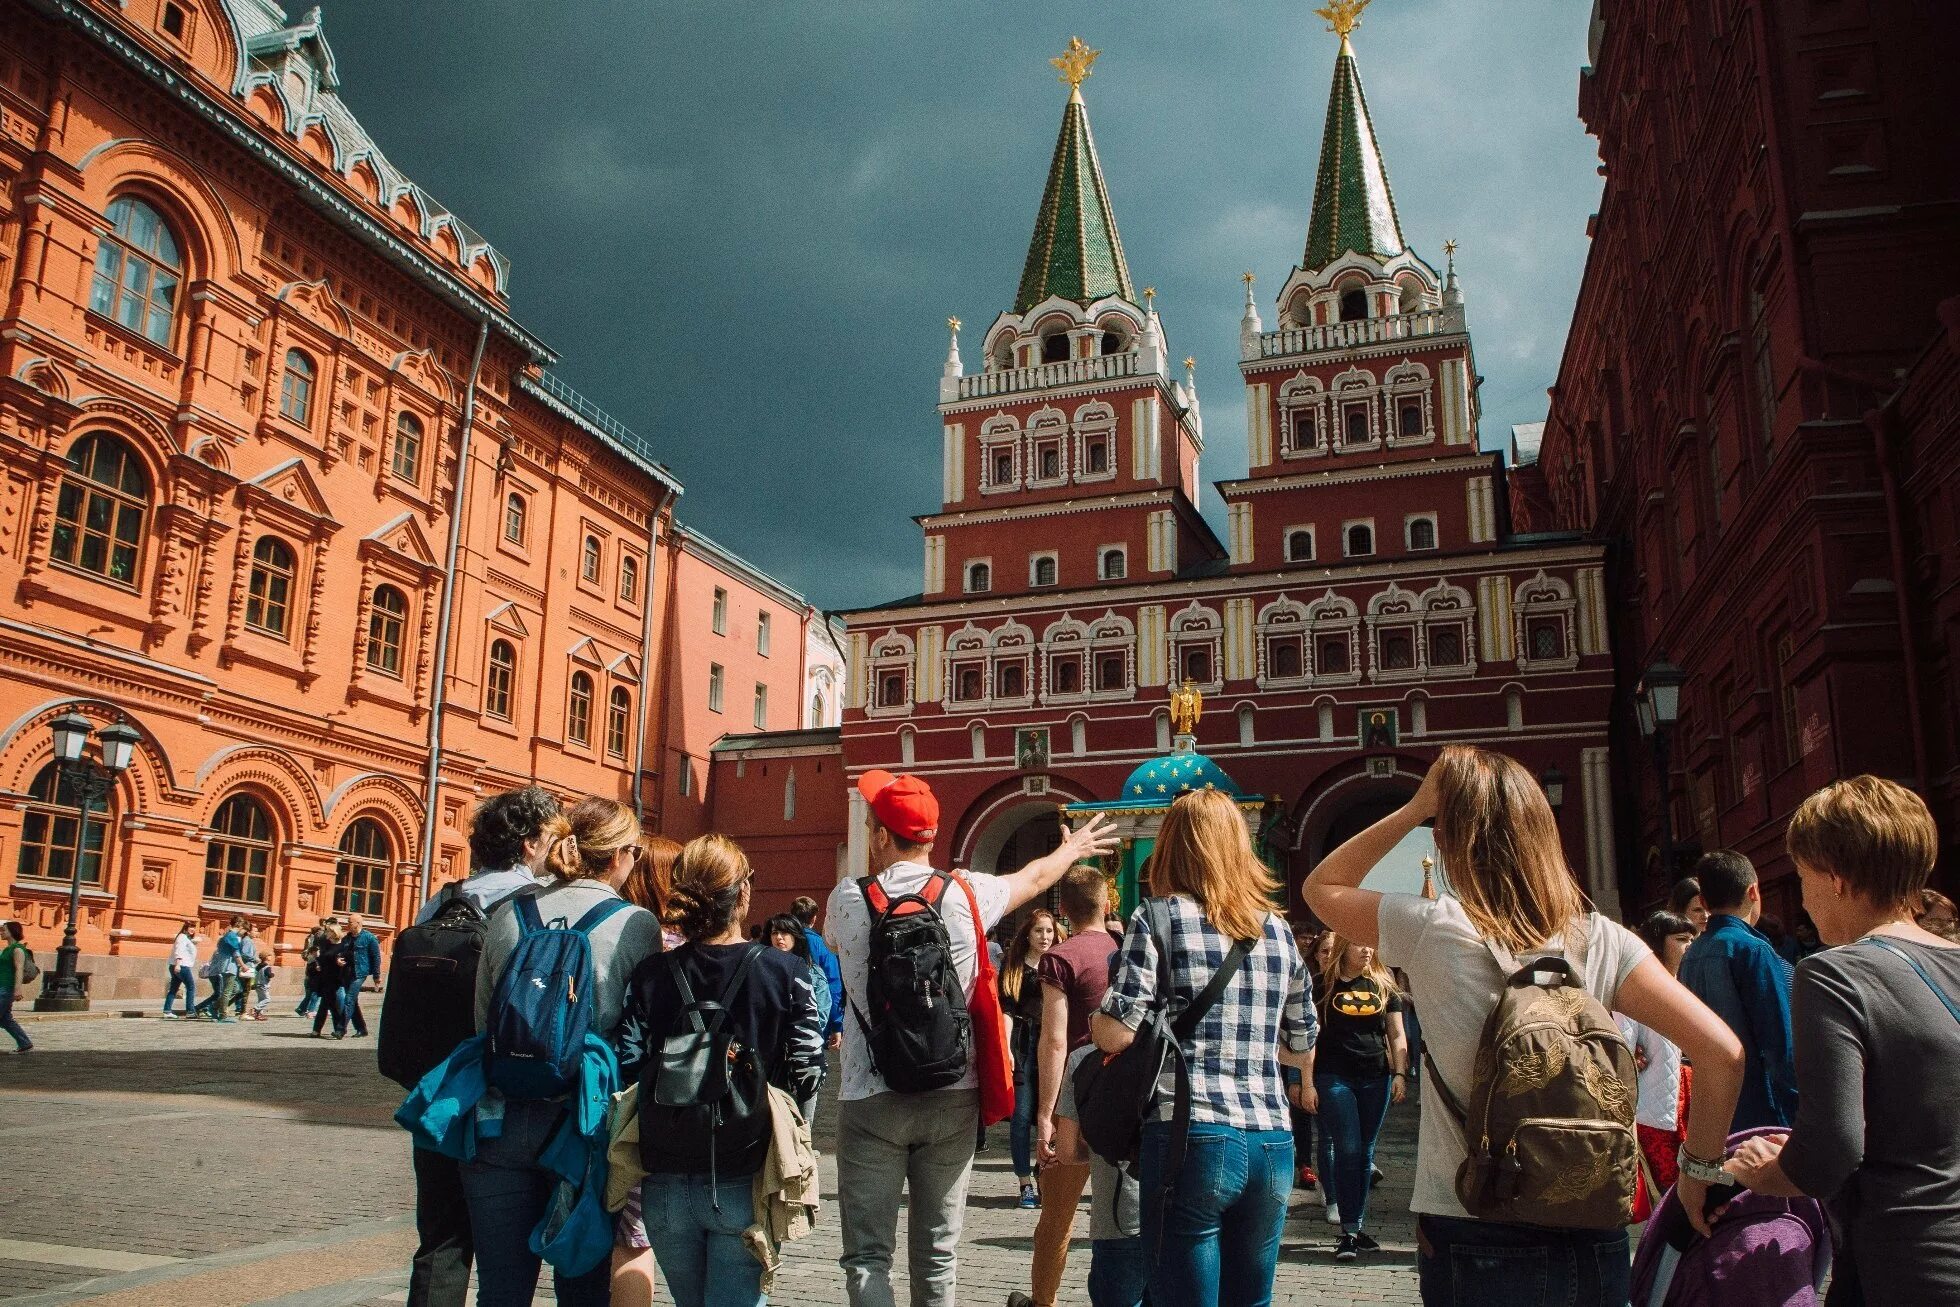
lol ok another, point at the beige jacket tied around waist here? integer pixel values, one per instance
(785, 1190)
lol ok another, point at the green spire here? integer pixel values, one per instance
(1353, 208)
(1076, 252)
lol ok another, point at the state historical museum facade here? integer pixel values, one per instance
(1368, 605)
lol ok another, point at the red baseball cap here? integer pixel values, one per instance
(903, 804)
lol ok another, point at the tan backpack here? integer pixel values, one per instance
(1548, 1126)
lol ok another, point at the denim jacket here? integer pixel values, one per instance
(1734, 969)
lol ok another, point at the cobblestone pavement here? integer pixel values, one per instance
(184, 1163)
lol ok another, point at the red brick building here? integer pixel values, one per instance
(1368, 605)
(1756, 409)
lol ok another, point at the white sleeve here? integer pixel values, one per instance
(1400, 924)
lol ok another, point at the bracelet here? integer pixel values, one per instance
(1695, 1168)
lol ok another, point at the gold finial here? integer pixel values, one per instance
(1074, 63)
(1149, 297)
(1246, 277)
(1190, 363)
(1449, 249)
(1343, 16)
(1428, 877)
(1187, 705)
(953, 324)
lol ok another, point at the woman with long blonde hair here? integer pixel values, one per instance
(1509, 886)
(1213, 1239)
(1360, 1065)
(1021, 1000)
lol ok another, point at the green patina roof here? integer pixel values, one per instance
(1076, 252)
(1353, 208)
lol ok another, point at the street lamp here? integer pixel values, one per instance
(1554, 782)
(89, 782)
(1657, 701)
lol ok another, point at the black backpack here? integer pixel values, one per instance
(704, 1096)
(430, 1006)
(914, 1019)
(1115, 1095)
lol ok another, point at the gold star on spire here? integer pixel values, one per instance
(1246, 277)
(1449, 249)
(1074, 63)
(1149, 296)
(953, 323)
(1190, 363)
(1343, 16)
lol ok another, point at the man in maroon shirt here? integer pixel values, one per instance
(1074, 974)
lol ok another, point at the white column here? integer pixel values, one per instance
(857, 858)
(1596, 797)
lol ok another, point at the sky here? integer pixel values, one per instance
(742, 224)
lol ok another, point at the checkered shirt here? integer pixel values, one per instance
(1234, 1052)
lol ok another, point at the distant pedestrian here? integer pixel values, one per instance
(1936, 915)
(1877, 1132)
(326, 980)
(1118, 1272)
(14, 956)
(248, 970)
(1020, 999)
(318, 937)
(1360, 1065)
(182, 970)
(1686, 901)
(1661, 1114)
(785, 934)
(650, 884)
(805, 911)
(363, 964)
(1736, 971)
(1804, 940)
(222, 970)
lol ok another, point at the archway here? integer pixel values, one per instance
(1342, 807)
(1016, 837)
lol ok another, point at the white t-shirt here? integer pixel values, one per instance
(1660, 1081)
(183, 951)
(1456, 982)
(847, 929)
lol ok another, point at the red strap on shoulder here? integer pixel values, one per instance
(934, 889)
(874, 895)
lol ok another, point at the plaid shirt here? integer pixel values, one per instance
(1234, 1052)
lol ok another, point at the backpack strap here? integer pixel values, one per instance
(528, 919)
(1187, 1020)
(1946, 999)
(598, 914)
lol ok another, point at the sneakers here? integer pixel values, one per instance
(1346, 1250)
(1019, 1299)
(1366, 1242)
(1333, 1214)
(1375, 1176)
(171, 1016)
(1030, 1201)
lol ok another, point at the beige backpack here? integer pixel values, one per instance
(1548, 1125)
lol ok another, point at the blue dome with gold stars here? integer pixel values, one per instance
(1162, 779)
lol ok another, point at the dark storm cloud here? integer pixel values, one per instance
(744, 224)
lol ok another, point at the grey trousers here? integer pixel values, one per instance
(886, 1145)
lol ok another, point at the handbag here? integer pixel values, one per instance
(991, 1060)
(30, 970)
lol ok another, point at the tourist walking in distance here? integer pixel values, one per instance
(224, 970)
(1511, 895)
(785, 934)
(326, 981)
(698, 1198)
(805, 911)
(14, 957)
(1877, 1132)
(1020, 999)
(1072, 978)
(1360, 1065)
(1735, 969)
(183, 970)
(363, 964)
(508, 1186)
(317, 938)
(1212, 1225)
(891, 1142)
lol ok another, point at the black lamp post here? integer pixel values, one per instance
(90, 782)
(1657, 700)
(1554, 782)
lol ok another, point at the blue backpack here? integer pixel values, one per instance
(542, 1007)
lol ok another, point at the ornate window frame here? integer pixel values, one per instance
(1444, 604)
(1355, 388)
(1283, 618)
(892, 652)
(1302, 394)
(998, 435)
(1046, 427)
(1197, 626)
(1111, 635)
(1395, 608)
(1011, 643)
(1334, 614)
(1405, 381)
(1544, 596)
(1065, 638)
(1095, 422)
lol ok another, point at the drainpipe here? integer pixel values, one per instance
(663, 502)
(438, 700)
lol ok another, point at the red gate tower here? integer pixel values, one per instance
(1366, 607)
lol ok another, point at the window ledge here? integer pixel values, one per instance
(92, 891)
(136, 339)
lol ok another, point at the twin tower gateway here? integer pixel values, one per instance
(1367, 604)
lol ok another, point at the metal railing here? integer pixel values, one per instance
(595, 417)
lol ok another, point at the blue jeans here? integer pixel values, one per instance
(1020, 1131)
(185, 979)
(507, 1192)
(1215, 1234)
(1118, 1273)
(700, 1250)
(1463, 1263)
(308, 1003)
(11, 1026)
(350, 1008)
(1351, 1113)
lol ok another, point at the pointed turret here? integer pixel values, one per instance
(1076, 253)
(1353, 208)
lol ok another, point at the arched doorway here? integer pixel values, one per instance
(1016, 837)
(1344, 806)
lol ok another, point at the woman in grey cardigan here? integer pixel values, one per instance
(1877, 1134)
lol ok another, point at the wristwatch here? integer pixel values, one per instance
(1696, 1169)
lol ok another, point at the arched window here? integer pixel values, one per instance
(1283, 660)
(1054, 348)
(1354, 305)
(502, 676)
(1051, 464)
(968, 685)
(1009, 681)
(138, 267)
(269, 593)
(514, 515)
(1411, 417)
(1331, 655)
(1111, 672)
(1357, 426)
(619, 716)
(578, 710)
(239, 855)
(100, 516)
(1360, 540)
(1422, 533)
(1303, 434)
(979, 578)
(387, 622)
(1114, 565)
(1044, 571)
(589, 561)
(296, 388)
(407, 461)
(1446, 647)
(360, 875)
(1068, 676)
(1299, 546)
(891, 689)
(629, 578)
(1112, 342)
(52, 835)
(1398, 651)
(816, 710)
(1197, 664)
